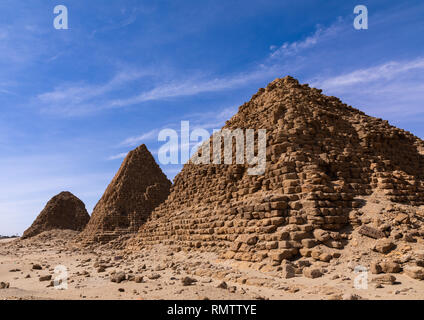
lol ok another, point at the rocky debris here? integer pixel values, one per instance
(4, 285)
(384, 279)
(402, 218)
(63, 211)
(154, 276)
(101, 269)
(118, 277)
(351, 296)
(414, 272)
(312, 273)
(45, 278)
(138, 279)
(187, 281)
(375, 268)
(384, 246)
(287, 271)
(371, 232)
(138, 187)
(223, 285)
(385, 267)
(390, 267)
(37, 267)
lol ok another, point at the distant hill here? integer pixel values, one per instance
(7, 237)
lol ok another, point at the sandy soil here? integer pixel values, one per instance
(158, 272)
(163, 271)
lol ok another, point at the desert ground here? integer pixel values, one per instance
(160, 272)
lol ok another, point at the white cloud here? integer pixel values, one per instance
(118, 156)
(78, 97)
(385, 71)
(204, 120)
(392, 90)
(321, 33)
(189, 87)
(81, 98)
(134, 141)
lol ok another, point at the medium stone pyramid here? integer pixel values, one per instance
(137, 188)
(63, 211)
(321, 156)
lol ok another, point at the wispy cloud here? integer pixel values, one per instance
(393, 90)
(204, 120)
(136, 140)
(321, 33)
(77, 98)
(384, 71)
(81, 98)
(118, 156)
(189, 87)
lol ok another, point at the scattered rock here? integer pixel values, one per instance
(312, 273)
(414, 272)
(384, 279)
(376, 268)
(371, 232)
(187, 281)
(384, 246)
(45, 278)
(118, 277)
(390, 267)
(351, 296)
(287, 271)
(154, 276)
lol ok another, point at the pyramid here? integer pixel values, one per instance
(322, 158)
(137, 188)
(63, 211)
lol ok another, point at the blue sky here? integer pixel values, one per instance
(74, 102)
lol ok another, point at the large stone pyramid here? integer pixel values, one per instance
(137, 188)
(63, 211)
(322, 157)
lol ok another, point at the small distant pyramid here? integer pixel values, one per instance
(137, 188)
(321, 155)
(63, 211)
